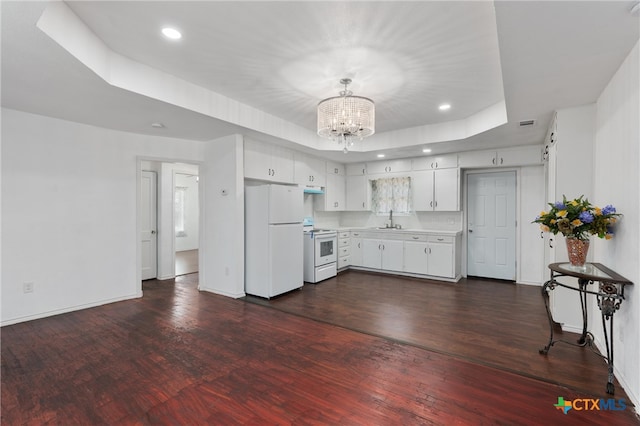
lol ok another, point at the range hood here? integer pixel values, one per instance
(313, 190)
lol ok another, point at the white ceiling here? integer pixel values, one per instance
(284, 57)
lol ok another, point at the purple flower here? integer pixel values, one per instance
(586, 217)
(559, 205)
(608, 209)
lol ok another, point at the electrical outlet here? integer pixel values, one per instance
(27, 287)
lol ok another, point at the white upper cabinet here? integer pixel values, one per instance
(436, 190)
(390, 166)
(309, 170)
(334, 197)
(433, 163)
(358, 193)
(356, 169)
(507, 157)
(267, 162)
(335, 168)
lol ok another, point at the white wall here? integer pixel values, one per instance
(530, 246)
(69, 212)
(616, 181)
(222, 210)
(190, 240)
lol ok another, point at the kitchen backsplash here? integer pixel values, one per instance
(443, 221)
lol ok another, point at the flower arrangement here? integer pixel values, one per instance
(578, 219)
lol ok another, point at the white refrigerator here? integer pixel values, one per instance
(273, 239)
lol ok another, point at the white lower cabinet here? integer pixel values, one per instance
(420, 253)
(415, 257)
(430, 258)
(382, 254)
(440, 259)
(356, 249)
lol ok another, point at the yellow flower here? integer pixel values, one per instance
(612, 220)
(545, 228)
(553, 221)
(576, 222)
(573, 203)
(598, 211)
(561, 213)
(542, 213)
(608, 236)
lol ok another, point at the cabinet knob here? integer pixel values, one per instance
(551, 242)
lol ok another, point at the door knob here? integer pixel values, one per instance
(153, 232)
(470, 230)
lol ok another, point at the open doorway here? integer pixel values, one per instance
(186, 220)
(169, 242)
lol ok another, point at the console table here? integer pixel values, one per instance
(609, 293)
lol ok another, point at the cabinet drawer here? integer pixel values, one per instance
(344, 234)
(343, 242)
(343, 262)
(415, 237)
(344, 251)
(440, 239)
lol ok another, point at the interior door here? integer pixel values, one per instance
(148, 224)
(491, 225)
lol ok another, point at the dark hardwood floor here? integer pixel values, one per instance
(178, 356)
(489, 322)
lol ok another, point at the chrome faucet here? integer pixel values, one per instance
(390, 218)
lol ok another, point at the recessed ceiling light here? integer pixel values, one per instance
(157, 125)
(380, 155)
(426, 150)
(171, 33)
(444, 107)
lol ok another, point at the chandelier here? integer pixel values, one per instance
(346, 118)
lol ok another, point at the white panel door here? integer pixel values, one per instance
(286, 247)
(491, 225)
(148, 224)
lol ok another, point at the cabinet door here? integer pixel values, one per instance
(371, 253)
(357, 193)
(282, 164)
(308, 170)
(440, 259)
(335, 168)
(422, 191)
(415, 257)
(477, 159)
(392, 255)
(446, 190)
(257, 160)
(356, 251)
(355, 169)
(520, 156)
(391, 166)
(335, 193)
(433, 163)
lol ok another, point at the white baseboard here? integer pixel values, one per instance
(68, 309)
(223, 293)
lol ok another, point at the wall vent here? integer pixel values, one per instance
(525, 123)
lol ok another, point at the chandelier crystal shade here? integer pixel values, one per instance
(346, 118)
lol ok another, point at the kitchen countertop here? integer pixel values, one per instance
(402, 230)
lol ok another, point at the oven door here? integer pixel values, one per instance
(326, 250)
